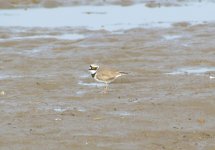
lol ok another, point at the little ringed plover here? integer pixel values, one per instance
(104, 75)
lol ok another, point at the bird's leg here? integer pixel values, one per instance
(106, 88)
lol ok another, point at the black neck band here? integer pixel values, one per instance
(93, 75)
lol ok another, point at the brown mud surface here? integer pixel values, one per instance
(59, 3)
(48, 100)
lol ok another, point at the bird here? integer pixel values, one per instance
(211, 76)
(104, 75)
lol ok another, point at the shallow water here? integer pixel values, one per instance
(109, 17)
(33, 37)
(194, 70)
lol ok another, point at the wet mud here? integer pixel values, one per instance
(48, 99)
(60, 3)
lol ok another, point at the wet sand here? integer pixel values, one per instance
(48, 100)
(59, 3)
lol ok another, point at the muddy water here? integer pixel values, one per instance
(49, 101)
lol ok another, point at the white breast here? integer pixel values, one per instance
(92, 71)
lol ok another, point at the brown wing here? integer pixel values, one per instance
(107, 75)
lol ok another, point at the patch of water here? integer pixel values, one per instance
(120, 113)
(59, 109)
(33, 37)
(192, 70)
(4, 77)
(171, 37)
(8, 76)
(109, 17)
(80, 93)
(94, 84)
(80, 109)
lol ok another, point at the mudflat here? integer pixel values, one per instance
(48, 99)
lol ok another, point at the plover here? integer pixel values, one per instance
(104, 75)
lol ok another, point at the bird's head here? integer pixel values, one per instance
(93, 68)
